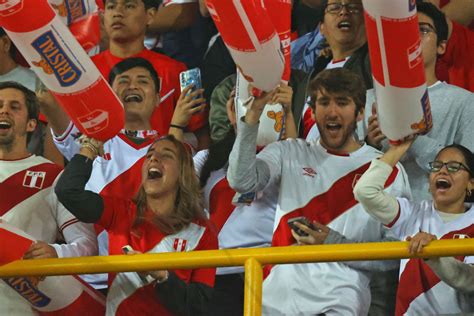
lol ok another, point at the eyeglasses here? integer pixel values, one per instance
(425, 29)
(451, 166)
(335, 8)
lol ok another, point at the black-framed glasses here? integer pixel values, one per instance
(335, 8)
(451, 166)
(425, 29)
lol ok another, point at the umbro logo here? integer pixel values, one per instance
(460, 236)
(310, 172)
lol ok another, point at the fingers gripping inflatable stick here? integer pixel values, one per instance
(54, 295)
(63, 66)
(251, 39)
(397, 67)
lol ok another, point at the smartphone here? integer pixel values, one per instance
(302, 220)
(191, 76)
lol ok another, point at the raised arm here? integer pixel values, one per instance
(369, 190)
(246, 173)
(58, 120)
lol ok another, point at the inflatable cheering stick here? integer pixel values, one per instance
(251, 39)
(63, 66)
(403, 105)
(53, 295)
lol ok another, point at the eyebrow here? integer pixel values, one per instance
(427, 24)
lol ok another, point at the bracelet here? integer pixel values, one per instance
(177, 126)
(94, 145)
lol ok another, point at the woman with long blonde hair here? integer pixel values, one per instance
(166, 216)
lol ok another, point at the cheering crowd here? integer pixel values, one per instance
(185, 172)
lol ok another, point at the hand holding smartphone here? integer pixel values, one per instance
(302, 220)
(190, 77)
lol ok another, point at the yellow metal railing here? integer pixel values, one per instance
(252, 259)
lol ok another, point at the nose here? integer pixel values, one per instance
(344, 10)
(117, 11)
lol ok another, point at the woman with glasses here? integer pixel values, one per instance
(437, 285)
(166, 216)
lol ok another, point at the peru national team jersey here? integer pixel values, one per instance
(28, 202)
(117, 172)
(168, 70)
(128, 294)
(247, 225)
(420, 291)
(318, 185)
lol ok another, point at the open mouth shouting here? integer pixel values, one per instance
(442, 185)
(333, 128)
(5, 125)
(344, 25)
(154, 174)
(132, 98)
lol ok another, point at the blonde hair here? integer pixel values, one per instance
(188, 203)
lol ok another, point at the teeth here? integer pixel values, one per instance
(133, 98)
(344, 24)
(443, 184)
(5, 125)
(154, 173)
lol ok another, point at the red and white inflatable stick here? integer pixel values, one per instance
(251, 39)
(63, 66)
(82, 18)
(55, 295)
(279, 12)
(403, 105)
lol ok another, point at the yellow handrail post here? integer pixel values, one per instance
(253, 288)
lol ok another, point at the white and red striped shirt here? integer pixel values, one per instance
(420, 290)
(242, 225)
(318, 184)
(116, 173)
(28, 202)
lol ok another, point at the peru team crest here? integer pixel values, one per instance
(34, 179)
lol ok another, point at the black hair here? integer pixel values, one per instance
(148, 3)
(339, 81)
(31, 101)
(134, 62)
(438, 17)
(218, 156)
(12, 51)
(469, 158)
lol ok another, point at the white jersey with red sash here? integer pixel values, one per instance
(116, 173)
(128, 293)
(28, 202)
(241, 222)
(318, 185)
(420, 291)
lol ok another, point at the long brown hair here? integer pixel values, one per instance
(188, 203)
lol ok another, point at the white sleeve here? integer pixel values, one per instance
(80, 238)
(199, 160)
(67, 143)
(457, 274)
(369, 191)
(247, 172)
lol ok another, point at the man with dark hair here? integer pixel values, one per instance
(117, 171)
(126, 22)
(451, 107)
(315, 181)
(344, 30)
(27, 199)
